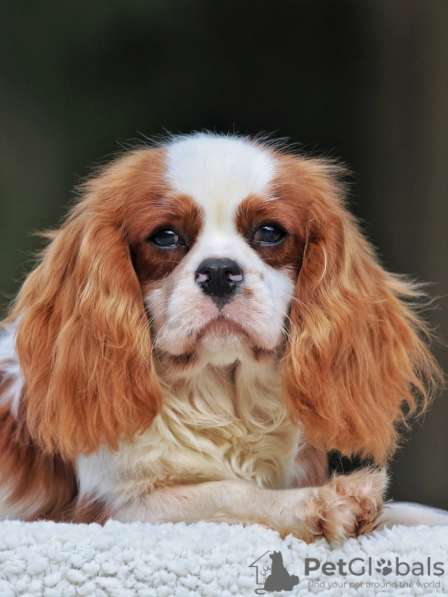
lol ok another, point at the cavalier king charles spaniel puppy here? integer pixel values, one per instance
(205, 326)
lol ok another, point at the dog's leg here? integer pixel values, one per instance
(344, 507)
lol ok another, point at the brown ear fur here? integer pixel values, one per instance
(357, 355)
(83, 336)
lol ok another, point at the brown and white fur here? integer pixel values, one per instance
(126, 391)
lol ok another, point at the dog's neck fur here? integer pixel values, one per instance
(219, 423)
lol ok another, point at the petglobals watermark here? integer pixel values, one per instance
(379, 573)
(362, 566)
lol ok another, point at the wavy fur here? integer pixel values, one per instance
(357, 363)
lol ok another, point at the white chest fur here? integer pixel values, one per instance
(222, 424)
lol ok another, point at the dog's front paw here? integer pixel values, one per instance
(347, 506)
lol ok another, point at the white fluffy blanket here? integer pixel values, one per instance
(211, 559)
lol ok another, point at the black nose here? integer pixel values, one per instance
(219, 278)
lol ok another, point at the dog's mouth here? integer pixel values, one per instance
(220, 339)
(222, 327)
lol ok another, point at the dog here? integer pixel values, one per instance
(279, 578)
(205, 326)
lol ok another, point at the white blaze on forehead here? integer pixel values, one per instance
(218, 172)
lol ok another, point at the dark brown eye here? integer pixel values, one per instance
(269, 234)
(166, 238)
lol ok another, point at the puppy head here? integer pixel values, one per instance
(230, 264)
(215, 250)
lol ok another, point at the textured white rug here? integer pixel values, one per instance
(210, 559)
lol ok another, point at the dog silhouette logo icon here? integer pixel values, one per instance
(271, 574)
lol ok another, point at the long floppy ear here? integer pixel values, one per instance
(83, 337)
(357, 359)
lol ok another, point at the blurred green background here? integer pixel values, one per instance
(364, 81)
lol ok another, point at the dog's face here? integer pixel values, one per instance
(212, 250)
(218, 270)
